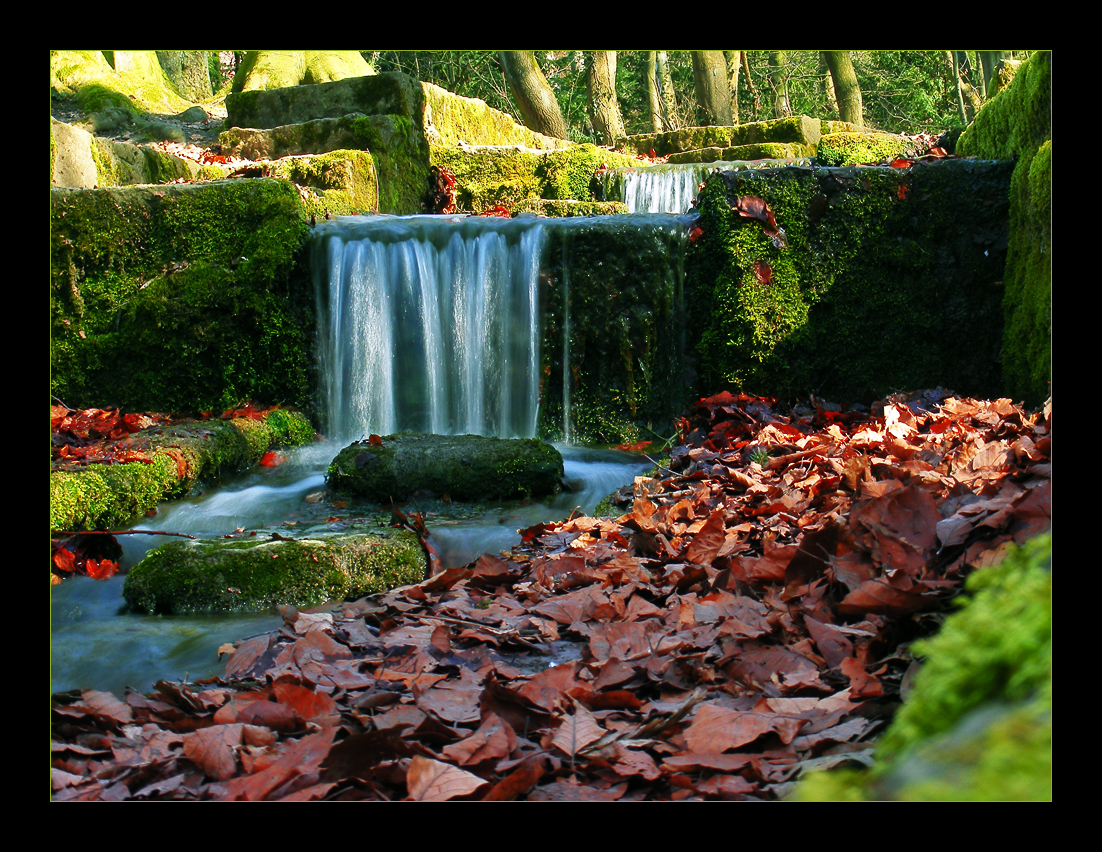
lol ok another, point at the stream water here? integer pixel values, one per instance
(426, 324)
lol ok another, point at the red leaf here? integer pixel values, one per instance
(695, 234)
(763, 271)
(272, 458)
(900, 163)
(902, 193)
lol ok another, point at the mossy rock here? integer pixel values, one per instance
(977, 725)
(1017, 124)
(339, 183)
(862, 148)
(771, 151)
(113, 496)
(255, 576)
(451, 120)
(800, 130)
(464, 467)
(180, 298)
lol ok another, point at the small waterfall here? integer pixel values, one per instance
(671, 188)
(430, 324)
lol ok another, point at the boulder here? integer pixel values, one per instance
(255, 576)
(464, 467)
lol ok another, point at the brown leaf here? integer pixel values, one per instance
(434, 781)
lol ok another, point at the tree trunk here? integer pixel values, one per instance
(600, 90)
(750, 83)
(972, 99)
(188, 71)
(846, 87)
(654, 97)
(989, 62)
(532, 94)
(779, 82)
(669, 97)
(713, 96)
(734, 60)
(828, 84)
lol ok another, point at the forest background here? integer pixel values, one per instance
(900, 91)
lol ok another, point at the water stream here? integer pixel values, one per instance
(425, 323)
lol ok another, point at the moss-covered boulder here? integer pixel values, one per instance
(451, 120)
(1017, 124)
(513, 177)
(339, 183)
(464, 467)
(757, 151)
(798, 133)
(102, 496)
(254, 576)
(277, 69)
(977, 725)
(180, 298)
(887, 279)
(860, 148)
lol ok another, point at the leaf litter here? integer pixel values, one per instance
(745, 619)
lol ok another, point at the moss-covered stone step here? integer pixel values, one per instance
(464, 467)
(113, 496)
(180, 298)
(338, 183)
(513, 176)
(862, 148)
(789, 151)
(254, 576)
(799, 130)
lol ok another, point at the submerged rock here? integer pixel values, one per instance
(253, 576)
(464, 467)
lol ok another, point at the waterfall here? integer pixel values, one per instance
(429, 324)
(671, 188)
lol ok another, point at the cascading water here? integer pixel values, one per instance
(671, 188)
(430, 324)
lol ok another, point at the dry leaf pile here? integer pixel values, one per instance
(745, 620)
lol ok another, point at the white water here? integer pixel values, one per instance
(430, 324)
(671, 188)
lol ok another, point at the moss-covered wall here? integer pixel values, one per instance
(614, 315)
(891, 279)
(1017, 124)
(180, 298)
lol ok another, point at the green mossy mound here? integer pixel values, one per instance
(339, 183)
(799, 131)
(978, 723)
(891, 279)
(127, 81)
(464, 467)
(180, 298)
(115, 496)
(857, 149)
(1017, 124)
(255, 576)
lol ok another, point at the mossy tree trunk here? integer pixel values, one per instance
(989, 62)
(713, 96)
(846, 88)
(778, 79)
(734, 60)
(669, 97)
(188, 71)
(600, 90)
(532, 94)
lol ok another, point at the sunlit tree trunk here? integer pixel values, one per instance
(713, 96)
(734, 60)
(532, 93)
(669, 97)
(654, 97)
(779, 81)
(846, 87)
(600, 89)
(989, 62)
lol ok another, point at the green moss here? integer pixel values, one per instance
(977, 725)
(1017, 123)
(848, 149)
(251, 576)
(114, 496)
(180, 298)
(890, 279)
(465, 467)
(344, 181)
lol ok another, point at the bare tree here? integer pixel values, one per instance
(188, 71)
(734, 60)
(778, 79)
(713, 95)
(532, 93)
(670, 111)
(600, 89)
(654, 96)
